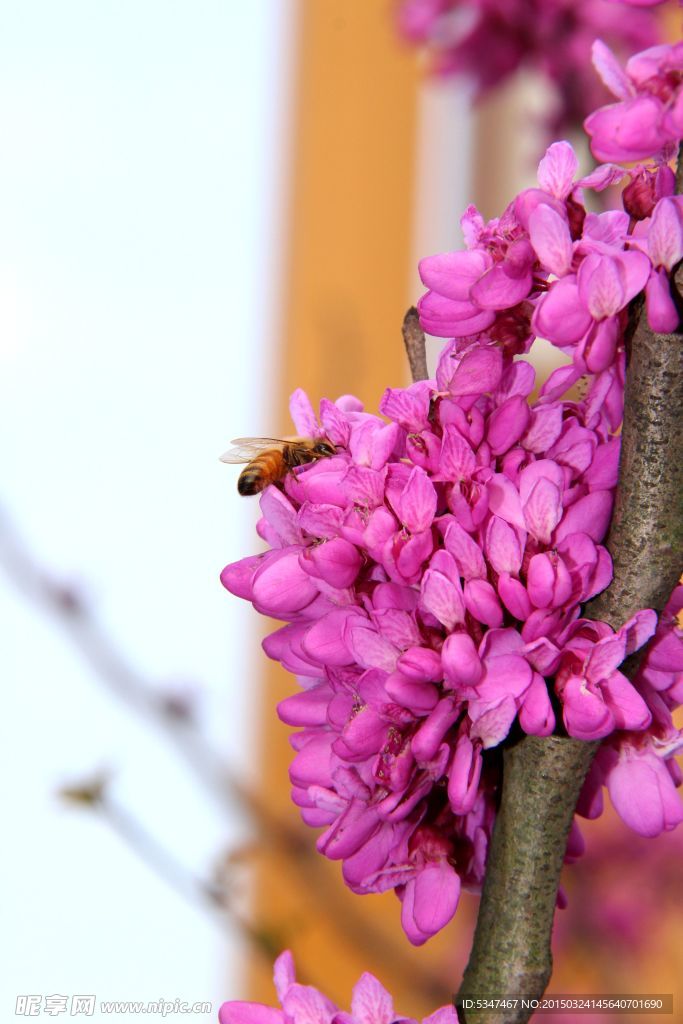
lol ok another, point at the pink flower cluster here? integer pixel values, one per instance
(648, 119)
(638, 767)
(548, 268)
(488, 40)
(431, 574)
(304, 1004)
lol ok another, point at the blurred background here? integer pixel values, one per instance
(203, 206)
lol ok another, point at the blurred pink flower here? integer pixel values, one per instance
(304, 1004)
(648, 119)
(488, 40)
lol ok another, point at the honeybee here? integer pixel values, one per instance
(269, 459)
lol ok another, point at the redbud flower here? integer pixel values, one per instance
(430, 577)
(648, 119)
(487, 41)
(304, 1004)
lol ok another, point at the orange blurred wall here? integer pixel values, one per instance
(346, 288)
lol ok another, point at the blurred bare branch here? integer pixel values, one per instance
(93, 794)
(74, 615)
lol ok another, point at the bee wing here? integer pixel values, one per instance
(244, 449)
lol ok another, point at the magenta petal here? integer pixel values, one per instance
(362, 736)
(497, 289)
(610, 71)
(634, 268)
(308, 708)
(313, 763)
(478, 372)
(407, 406)
(627, 706)
(445, 318)
(665, 235)
(413, 554)
(437, 891)
(491, 722)
(585, 714)
(631, 130)
(543, 509)
(503, 548)
(514, 596)
(544, 428)
(662, 314)
(324, 641)
(482, 602)
(457, 460)
(505, 501)
(549, 234)
(590, 514)
(452, 274)
(508, 675)
(508, 423)
(413, 933)
(306, 1005)
(557, 169)
(644, 795)
(284, 975)
(603, 471)
(416, 505)
(460, 660)
(371, 1003)
(427, 739)
(236, 1012)
(419, 697)
(336, 562)
(281, 586)
(463, 775)
(238, 577)
(350, 832)
(370, 649)
(303, 417)
(601, 346)
(442, 598)
(639, 629)
(444, 1015)
(465, 551)
(536, 715)
(548, 581)
(421, 663)
(605, 657)
(601, 287)
(561, 315)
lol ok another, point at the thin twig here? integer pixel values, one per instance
(94, 795)
(110, 666)
(416, 346)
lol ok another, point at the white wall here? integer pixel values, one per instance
(140, 159)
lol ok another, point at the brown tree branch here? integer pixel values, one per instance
(542, 778)
(415, 343)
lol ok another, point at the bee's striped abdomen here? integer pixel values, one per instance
(267, 469)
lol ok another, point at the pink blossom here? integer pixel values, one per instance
(430, 576)
(648, 119)
(304, 1004)
(486, 42)
(548, 268)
